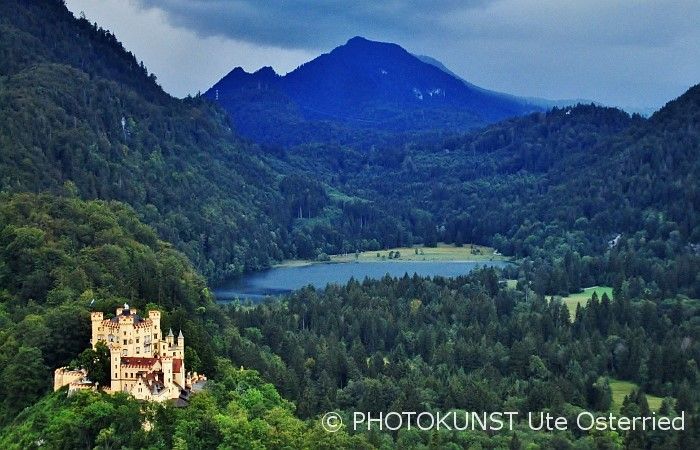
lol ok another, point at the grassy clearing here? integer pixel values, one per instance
(620, 389)
(582, 298)
(443, 252)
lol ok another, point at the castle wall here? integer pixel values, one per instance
(63, 377)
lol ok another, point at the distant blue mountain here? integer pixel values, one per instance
(363, 84)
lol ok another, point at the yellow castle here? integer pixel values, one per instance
(144, 362)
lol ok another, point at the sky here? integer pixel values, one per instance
(636, 54)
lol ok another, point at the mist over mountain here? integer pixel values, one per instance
(362, 84)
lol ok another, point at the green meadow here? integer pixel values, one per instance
(582, 298)
(621, 389)
(442, 252)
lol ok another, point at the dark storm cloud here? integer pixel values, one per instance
(311, 24)
(314, 24)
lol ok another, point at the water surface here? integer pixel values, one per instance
(282, 280)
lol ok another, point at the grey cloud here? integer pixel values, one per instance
(311, 24)
(316, 24)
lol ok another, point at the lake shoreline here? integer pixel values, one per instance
(286, 279)
(305, 263)
(468, 253)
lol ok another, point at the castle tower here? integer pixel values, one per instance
(98, 333)
(170, 339)
(167, 363)
(180, 353)
(115, 367)
(180, 347)
(152, 343)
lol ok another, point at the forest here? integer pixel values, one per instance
(112, 191)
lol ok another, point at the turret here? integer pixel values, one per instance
(170, 339)
(181, 341)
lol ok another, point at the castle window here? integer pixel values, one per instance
(124, 341)
(138, 350)
(137, 340)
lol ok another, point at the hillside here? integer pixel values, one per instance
(75, 106)
(61, 258)
(361, 85)
(57, 257)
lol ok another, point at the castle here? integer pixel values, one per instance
(143, 362)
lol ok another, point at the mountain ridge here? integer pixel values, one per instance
(362, 84)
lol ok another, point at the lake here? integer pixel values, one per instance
(282, 280)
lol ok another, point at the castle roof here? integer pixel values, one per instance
(177, 365)
(138, 361)
(127, 313)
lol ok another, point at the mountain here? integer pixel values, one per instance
(79, 112)
(361, 85)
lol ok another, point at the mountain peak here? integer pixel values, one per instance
(266, 71)
(366, 84)
(357, 40)
(361, 46)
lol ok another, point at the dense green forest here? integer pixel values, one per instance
(552, 188)
(239, 410)
(59, 254)
(410, 343)
(60, 257)
(76, 107)
(112, 191)
(413, 344)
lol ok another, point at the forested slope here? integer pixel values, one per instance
(553, 187)
(75, 106)
(58, 258)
